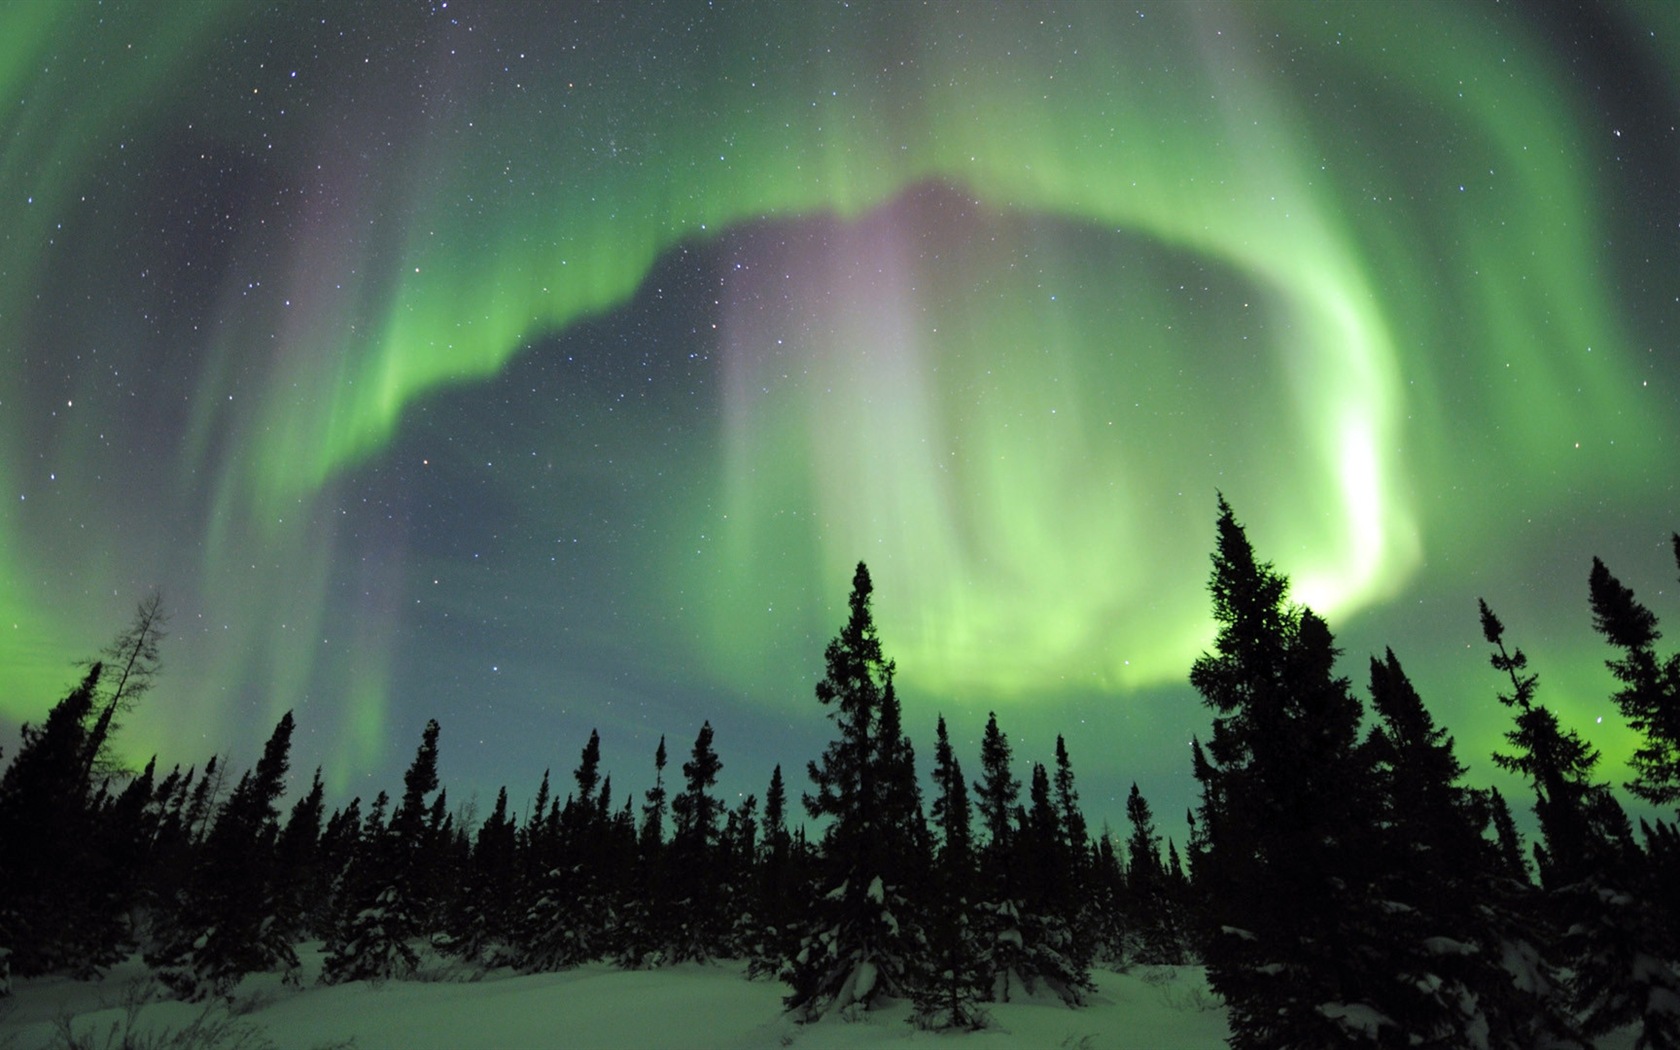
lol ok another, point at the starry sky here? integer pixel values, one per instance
(541, 368)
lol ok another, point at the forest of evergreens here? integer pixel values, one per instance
(1342, 884)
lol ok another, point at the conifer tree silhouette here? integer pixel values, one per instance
(228, 920)
(385, 907)
(1650, 695)
(46, 822)
(1613, 924)
(952, 981)
(1287, 794)
(854, 948)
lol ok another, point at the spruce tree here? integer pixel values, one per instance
(1083, 909)
(48, 920)
(698, 932)
(736, 890)
(1052, 956)
(1583, 830)
(340, 844)
(1148, 891)
(1075, 833)
(1649, 698)
(1457, 913)
(909, 853)
(126, 831)
(485, 929)
(384, 893)
(997, 789)
(1507, 840)
(953, 981)
(774, 902)
(1108, 899)
(854, 949)
(298, 860)
(653, 809)
(228, 920)
(568, 918)
(998, 910)
(1615, 922)
(649, 919)
(1287, 796)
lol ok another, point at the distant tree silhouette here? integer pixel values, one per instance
(776, 881)
(698, 928)
(482, 928)
(384, 896)
(227, 920)
(566, 922)
(1052, 955)
(953, 980)
(997, 908)
(645, 930)
(1149, 890)
(298, 861)
(133, 662)
(737, 868)
(1075, 846)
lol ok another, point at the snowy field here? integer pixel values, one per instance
(1158, 1008)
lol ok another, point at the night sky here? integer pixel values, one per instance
(548, 368)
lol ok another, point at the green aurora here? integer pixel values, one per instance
(542, 368)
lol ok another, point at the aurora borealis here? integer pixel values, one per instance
(541, 368)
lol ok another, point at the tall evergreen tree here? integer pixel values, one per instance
(775, 903)
(1507, 840)
(1649, 698)
(1108, 899)
(1287, 792)
(954, 981)
(1051, 956)
(997, 789)
(998, 910)
(737, 890)
(485, 929)
(48, 920)
(1582, 828)
(298, 861)
(648, 918)
(340, 843)
(1458, 915)
(699, 930)
(228, 921)
(1615, 927)
(1084, 910)
(855, 949)
(569, 915)
(1075, 833)
(653, 809)
(1154, 917)
(907, 854)
(384, 891)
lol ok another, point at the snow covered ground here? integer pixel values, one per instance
(451, 1007)
(1158, 1008)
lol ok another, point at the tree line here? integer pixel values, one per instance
(1342, 884)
